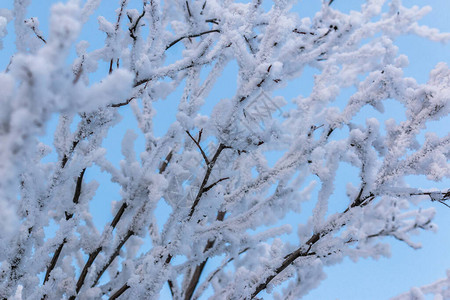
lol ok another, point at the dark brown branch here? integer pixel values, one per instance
(66, 156)
(213, 184)
(442, 202)
(33, 27)
(170, 283)
(132, 98)
(188, 9)
(133, 28)
(197, 273)
(58, 251)
(119, 292)
(119, 215)
(212, 21)
(54, 260)
(85, 270)
(444, 196)
(119, 16)
(166, 161)
(249, 45)
(210, 166)
(39, 36)
(199, 269)
(112, 257)
(75, 200)
(200, 135)
(123, 103)
(191, 36)
(199, 147)
(111, 65)
(203, 7)
(288, 260)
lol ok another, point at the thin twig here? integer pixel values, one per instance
(132, 98)
(212, 21)
(133, 28)
(112, 257)
(188, 9)
(123, 103)
(35, 30)
(213, 184)
(210, 166)
(199, 147)
(191, 36)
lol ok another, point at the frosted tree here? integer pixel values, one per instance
(226, 196)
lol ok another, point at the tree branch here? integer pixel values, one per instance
(191, 36)
(305, 249)
(198, 145)
(213, 184)
(210, 166)
(75, 200)
(119, 292)
(199, 269)
(112, 257)
(113, 224)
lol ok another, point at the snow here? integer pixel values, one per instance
(225, 198)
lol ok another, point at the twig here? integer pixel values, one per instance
(35, 30)
(133, 28)
(112, 257)
(212, 21)
(212, 185)
(188, 9)
(210, 166)
(166, 161)
(444, 195)
(289, 259)
(123, 103)
(132, 98)
(75, 200)
(199, 269)
(191, 36)
(119, 292)
(198, 145)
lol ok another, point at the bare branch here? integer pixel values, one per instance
(212, 185)
(191, 36)
(199, 147)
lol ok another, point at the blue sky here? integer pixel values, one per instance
(367, 279)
